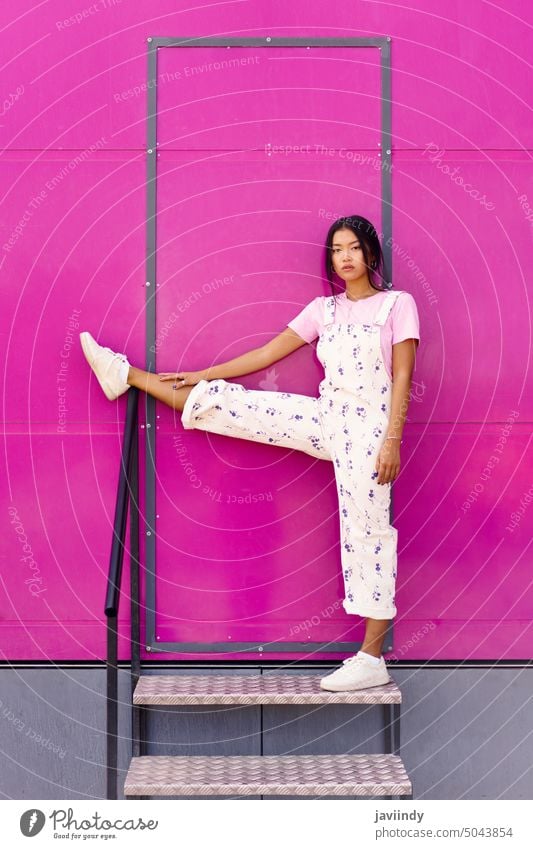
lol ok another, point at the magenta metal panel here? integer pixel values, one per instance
(76, 263)
(247, 540)
(290, 96)
(473, 364)
(461, 75)
(58, 500)
(465, 558)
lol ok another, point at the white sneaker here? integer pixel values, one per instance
(356, 673)
(111, 369)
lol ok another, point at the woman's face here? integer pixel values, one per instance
(347, 255)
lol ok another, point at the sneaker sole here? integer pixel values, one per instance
(339, 689)
(85, 341)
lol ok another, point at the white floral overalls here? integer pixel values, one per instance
(347, 425)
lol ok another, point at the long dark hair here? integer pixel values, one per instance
(371, 247)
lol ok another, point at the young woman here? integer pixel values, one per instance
(367, 339)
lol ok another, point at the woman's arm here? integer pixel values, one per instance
(259, 358)
(256, 359)
(403, 363)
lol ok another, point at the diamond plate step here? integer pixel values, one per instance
(269, 689)
(283, 775)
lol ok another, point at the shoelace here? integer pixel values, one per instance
(353, 659)
(120, 357)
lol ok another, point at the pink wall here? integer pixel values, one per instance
(72, 253)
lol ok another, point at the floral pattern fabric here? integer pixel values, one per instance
(346, 425)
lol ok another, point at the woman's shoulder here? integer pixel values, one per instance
(404, 317)
(403, 294)
(405, 300)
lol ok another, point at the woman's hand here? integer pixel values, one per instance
(388, 462)
(181, 378)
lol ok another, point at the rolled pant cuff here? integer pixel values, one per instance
(196, 390)
(369, 612)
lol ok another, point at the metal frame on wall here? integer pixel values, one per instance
(152, 643)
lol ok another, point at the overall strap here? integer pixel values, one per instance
(329, 309)
(388, 303)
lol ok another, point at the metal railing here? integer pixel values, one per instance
(127, 497)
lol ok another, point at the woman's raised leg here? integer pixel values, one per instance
(115, 374)
(160, 389)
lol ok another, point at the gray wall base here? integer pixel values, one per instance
(466, 732)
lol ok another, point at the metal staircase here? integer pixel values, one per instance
(295, 775)
(361, 775)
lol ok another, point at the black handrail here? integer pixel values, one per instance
(121, 508)
(127, 496)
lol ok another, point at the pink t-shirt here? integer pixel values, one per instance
(402, 321)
